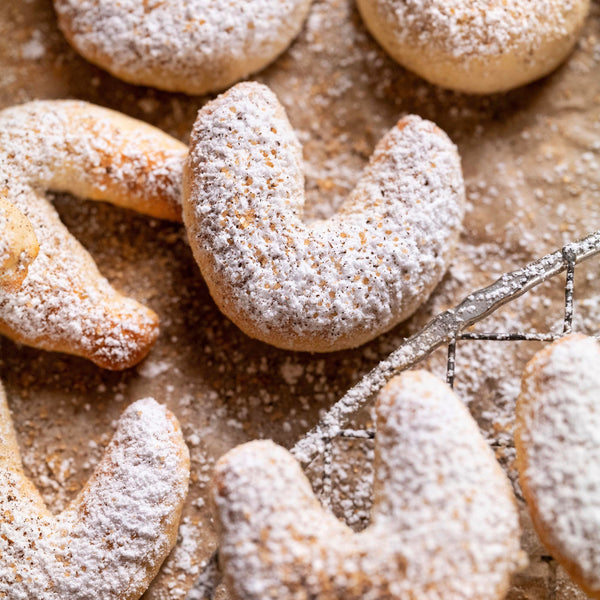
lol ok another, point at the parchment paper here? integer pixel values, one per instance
(531, 159)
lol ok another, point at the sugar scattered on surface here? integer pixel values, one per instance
(154, 368)
(112, 535)
(34, 49)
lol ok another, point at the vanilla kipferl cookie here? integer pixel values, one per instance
(191, 46)
(64, 304)
(329, 284)
(558, 453)
(476, 46)
(112, 538)
(444, 522)
(18, 246)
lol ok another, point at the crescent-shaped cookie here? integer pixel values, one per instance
(328, 284)
(558, 453)
(444, 520)
(191, 46)
(476, 46)
(65, 304)
(111, 540)
(18, 246)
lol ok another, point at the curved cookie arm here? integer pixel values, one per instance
(133, 501)
(18, 246)
(112, 539)
(557, 440)
(101, 154)
(444, 520)
(330, 284)
(476, 47)
(65, 304)
(191, 46)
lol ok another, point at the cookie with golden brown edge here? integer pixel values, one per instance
(444, 522)
(64, 304)
(191, 46)
(18, 246)
(112, 538)
(329, 284)
(476, 46)
(558, 453)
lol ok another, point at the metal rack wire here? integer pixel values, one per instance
(447, 328)
(565, 259)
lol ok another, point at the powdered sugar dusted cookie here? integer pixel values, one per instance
(111, 540)
(558, 452)
(64, 304)
(18, 246)
(476, 46)
(329, 284)
(192, 46)
(444, 520)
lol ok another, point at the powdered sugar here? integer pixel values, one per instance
(64, 303)
(18, 246)
(193, 46)
(328, 284)
(468, 28)
(559, 452)
(476, 46)
(6, 248)
(444, 520)
(111, 540)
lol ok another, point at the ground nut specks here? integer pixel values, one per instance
(329, 284)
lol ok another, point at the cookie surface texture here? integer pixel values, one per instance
(191, 46)
(18, 246)
(64, 304)
(329, 284)
(444, 522)
(476, 46)
(558, 454)
(111, 540)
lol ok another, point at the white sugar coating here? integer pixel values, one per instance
(444, 520)
(111, 540)
(469, 28)
(455, 43)
(18, 245)
(193, 46)
(64, 303)
(328, 284)
(558, 445)
(5, 246)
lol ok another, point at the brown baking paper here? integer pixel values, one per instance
(531, 159)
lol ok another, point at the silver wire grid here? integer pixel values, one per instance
(530, 276)
(447, 328)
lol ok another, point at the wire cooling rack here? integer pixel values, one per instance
(447, 328)
(567, 258)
